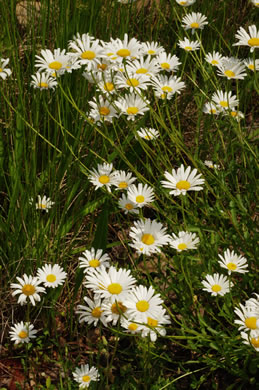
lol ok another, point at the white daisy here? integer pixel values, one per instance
(43, 203)
(130, 326)
(248, 317)
(103, 176)
(107, 86)
(124, 180)
(113, 284)
(217, 284)
(148, 133)
(55, 63)
(184, 241)
(148, 236)
(165, 87)
(245, 39)
(253, 338)
(231, 69)
(253, 302)
(87, 51)
(255, 2)
(152, 49)
(127, 205)
(224, 100)
(92, 259)
(102, 110)
(168, 62)
(43, 81)
(125, 48)
(211, 165)
(141, 195)
(155, 325)
(185, 3)
(132, 82)
(28, 287)
(148, 66)
(22, 332)
(4, 72)
(132, 105)
(252, 64)
(237, 115)
(233, 263)
(114, 310)
(143, 302)
(214, 58)
(211, 109)
(84, 375)
(51, 275)
(188, 45)
(194, 21)
(92, 313)
(181, 181)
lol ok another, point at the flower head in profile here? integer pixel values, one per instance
(148, 133)
(165, 87)
(185, 3)
(51, 275)
(152, 49)
(28, 287)
(43, 203)
(248, 317)
(194, 21)
(124, 180)
(250, 39)
(217, 284)
(103, 176)
(22, 332)
(211, 109)
(224, 100)
(215, 58)
(154, 326)
(184, 241)
(188, 45)
(102, 110)
(210, 164)
(92, 312)
(233, 262)
(127, 205)
(43, 81)
(4, 71)
(114, 311)
(231, 69)
(251, 64)
(252, 338)
(85, 375)
(181, 181)
(93, 259)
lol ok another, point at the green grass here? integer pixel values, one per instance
(48, 145)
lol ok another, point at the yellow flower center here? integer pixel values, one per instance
(123, 53)
(23, 334)
(51, 278)
(229, 73)
(163, 96)
(214, 62)
(216, 288)
(255, 342)
(147, 137)
(94, 263)
(232, 266)
(195, 25)
(253, 42)
(1, 70)
(188, 48)
(115, 288)
(123, 184)
(108, 86)
(213, 111)
(151, 52)
(132, 110)
(166, 88)
(233, 113)
(142, 71)
(223, 103)
(42, 205)
(142, 306)
(251, 66)
(165, 65)
(56, 65)
(96, 312)
(140, 199)
(43, 85)
(104, 111)
(148, 239)
(118, 308)
(86, 378)
(132, 327)
(28, 289)
(104, 179)
(183, 185)
(132, 82)
(128, 206)
(183, 2)
(251, 322)
(152, 322)
(182, 246)
(102, 66)
(88, 55)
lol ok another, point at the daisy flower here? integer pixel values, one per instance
(141, 195)
(84, 375)
(232, 70)
(168, 62)
(255, 2)
(185, 3)
(166, 87)
(154, 326)
(211, 109)
(28, 287)
(148, 133)
(214, 58)
(86, 50)
(148, 67)
(124, 180)
(22, 332)
(211, 165)
(188, 45)
(233, 263)
(245, 39)
(102, 110)
(181, 181)
(148, 236)
(113, 284)
(143, 302)
(124, 48)
(253, 338)
(184, 241)
(114, 310)
(130, 326)
(132, 82)
(4, 72)
(43, 203)
(132, 105)
(55, 63)
(248, 317)
(92, 313)
(106, 85)
(127, 205)
(194, 21)
(103, 176)
(237, 115)
(217, 284)
(92, 259)
(51, 275)
(43, 81)
(253, 302)
(251, 64)
(224, 100)
(151, 49)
